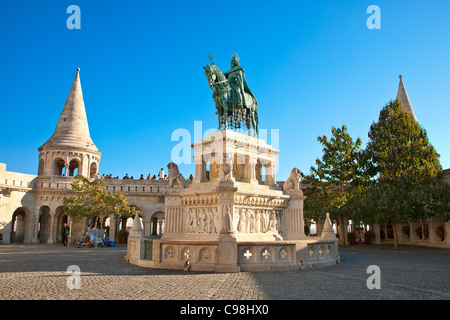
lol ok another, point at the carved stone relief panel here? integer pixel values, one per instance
(257, 220)
(202, 220)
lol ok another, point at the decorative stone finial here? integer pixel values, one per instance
(327, 231)
(400, 76)
(136, 230)
(78, 69)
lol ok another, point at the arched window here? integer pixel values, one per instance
(93, 171)
(73, 168)
(60, 167)
(157, 223)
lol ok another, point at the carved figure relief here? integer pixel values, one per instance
(202, 220)
(257, 220)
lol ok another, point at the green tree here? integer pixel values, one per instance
(335, 178)
(408, 170)
(92, 199)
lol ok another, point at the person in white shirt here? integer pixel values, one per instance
(161, 174)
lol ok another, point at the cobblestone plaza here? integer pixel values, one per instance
(39, 272)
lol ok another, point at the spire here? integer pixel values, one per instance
(402, 96)
(72, 129)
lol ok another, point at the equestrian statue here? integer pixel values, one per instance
(235, 102)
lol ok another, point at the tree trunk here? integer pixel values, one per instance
(394, 230)
(124, 222)
(341, 230)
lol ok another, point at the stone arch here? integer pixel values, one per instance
(59, 167)
(93, 170)
(60, 219)
(157, 223)
(44, 223)
(19, 224)
(74, 167)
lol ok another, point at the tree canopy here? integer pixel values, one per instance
(408, 184)
(335, 176)
(397, 177)
(92, 199)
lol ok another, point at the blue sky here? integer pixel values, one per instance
(311, 65)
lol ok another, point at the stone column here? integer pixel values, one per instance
(376, 230)
(173, 215)
(52, 225)
(274, 175)
(147, 224)
(112, 228)
(160, 223)
(154, 226)
(268, 174)
(70, 224)
(385, 232)
(294, 223)
(252, 170)
(203, 172)
(197, 158)
(36, 225)
(432, 232)
(227, 247)
(411, 237)
(199, 172)
(412, 232)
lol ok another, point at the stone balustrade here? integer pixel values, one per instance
(113, 185)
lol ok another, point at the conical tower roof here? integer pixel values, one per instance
(402, 96)
(72, 129)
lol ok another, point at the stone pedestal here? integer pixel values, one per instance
(229, 219)
(227, 254)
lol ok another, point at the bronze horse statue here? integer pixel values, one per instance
(232, 111)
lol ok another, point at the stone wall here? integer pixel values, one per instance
(17, 204)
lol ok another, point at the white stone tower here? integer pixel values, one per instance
(70, 150)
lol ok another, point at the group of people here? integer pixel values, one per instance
(109, 176)
(94, 237)
(161, 176)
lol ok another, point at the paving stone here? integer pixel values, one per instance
(29, 272)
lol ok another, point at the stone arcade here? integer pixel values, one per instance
(31, 205)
